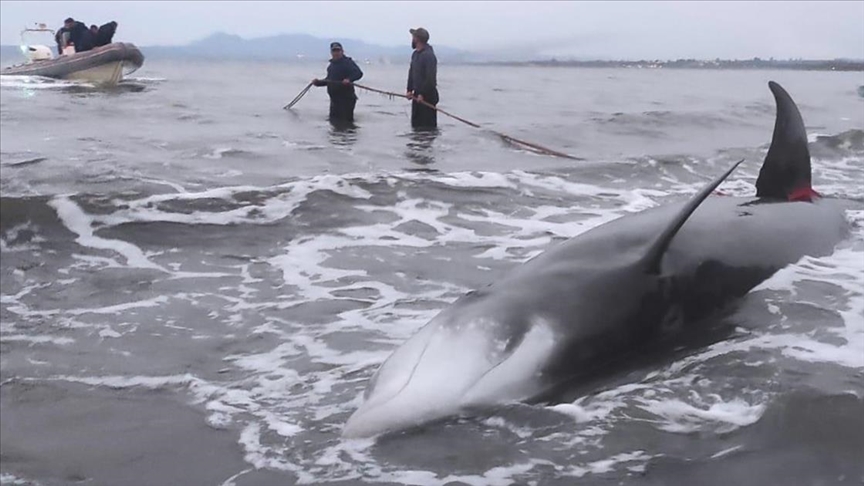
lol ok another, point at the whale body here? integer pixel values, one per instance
(568, 314)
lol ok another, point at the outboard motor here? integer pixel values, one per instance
(38, 53)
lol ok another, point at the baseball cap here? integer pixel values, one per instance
(335, 46)
(420, 33)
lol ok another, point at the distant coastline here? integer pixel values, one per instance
(717, 64)
(301, 48)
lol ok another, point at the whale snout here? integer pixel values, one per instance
(404, 411)
(446, 368)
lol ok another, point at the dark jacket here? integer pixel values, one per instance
(106, 34)
(423, 73)
(337, 70)
(81, 36)
(61, 41)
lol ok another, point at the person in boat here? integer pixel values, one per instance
(105, 34)
(342, 72)
(62, 39)
(78, 35)
(422, 80)
(94, 29)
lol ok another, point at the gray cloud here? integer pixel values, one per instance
(581, 29)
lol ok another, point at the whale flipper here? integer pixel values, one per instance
(785, 174)
(654, 256)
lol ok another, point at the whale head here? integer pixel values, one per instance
(458, 360)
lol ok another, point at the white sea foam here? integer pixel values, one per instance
(9, 236)
(81, 224)
(679, 416)
(496, 476)
(217, 153)
(843, 269)
(62, 341)
(285, 199)
(144, 79)
(7, 479)
(120, 308)
(301, 379)
(38, 82)
(123, 382)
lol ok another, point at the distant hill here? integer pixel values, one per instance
(292, 47)
(285, 47)
(747, 64)
(303, 47)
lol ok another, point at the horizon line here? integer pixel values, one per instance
(536, 57)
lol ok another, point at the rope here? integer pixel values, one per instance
(507, 138)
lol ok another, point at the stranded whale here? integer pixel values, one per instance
(570, 313)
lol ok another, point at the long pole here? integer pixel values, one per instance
(535, 147)
(298, 97)
(508, 138)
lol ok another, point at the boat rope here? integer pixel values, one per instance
(507, 138)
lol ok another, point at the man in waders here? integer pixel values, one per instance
(341, 73)
(422, 80)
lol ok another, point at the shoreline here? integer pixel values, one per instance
(716, 65)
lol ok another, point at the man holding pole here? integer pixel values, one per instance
(422, 80)
(341, 74)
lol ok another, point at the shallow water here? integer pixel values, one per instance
(197, 285)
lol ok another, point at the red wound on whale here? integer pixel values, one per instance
(803, 194)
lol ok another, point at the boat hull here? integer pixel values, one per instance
(102, 65)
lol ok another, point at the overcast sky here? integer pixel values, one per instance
(630, 30)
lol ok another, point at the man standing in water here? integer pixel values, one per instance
(341, 73)
(422, 80)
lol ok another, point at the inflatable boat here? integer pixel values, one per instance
(101, 65)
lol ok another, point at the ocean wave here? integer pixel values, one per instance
(29, 83)
(228, 152)
(39, 82)
(292, 294)
(845, 144)
(7, 479)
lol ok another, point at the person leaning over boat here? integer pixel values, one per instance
(78, 35)
(62, 39)
(105, 34)
(422, 80)
(341, 73)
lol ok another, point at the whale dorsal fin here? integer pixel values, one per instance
(785, 174)
(655, 253)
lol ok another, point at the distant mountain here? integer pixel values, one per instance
(292, 47)
(284, 47)
(303, 47)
